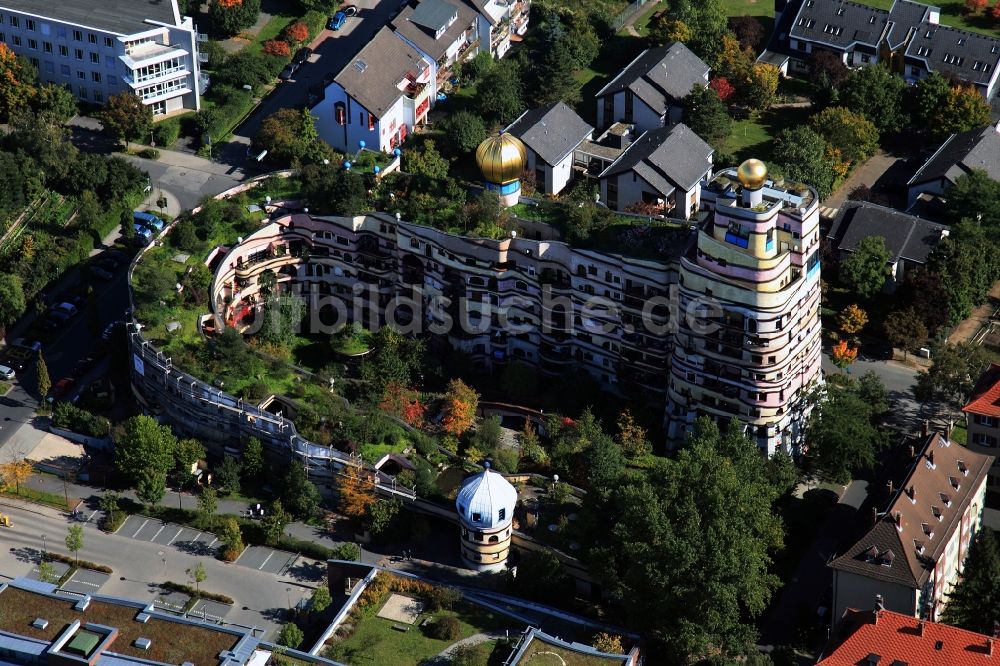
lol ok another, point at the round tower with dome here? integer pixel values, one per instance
(501, 159)
(485, 505)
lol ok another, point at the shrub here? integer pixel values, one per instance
(166, 132)
(82, 564)
(192, 591)
(290, 636)
(149, 154)
(315, 21)
(277, 47)
(70, 417)
(349, 552)
(446, 628)
(296, 33)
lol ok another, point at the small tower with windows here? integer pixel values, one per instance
(485, 506)
(501, 159)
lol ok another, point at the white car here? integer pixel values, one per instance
(6, 373)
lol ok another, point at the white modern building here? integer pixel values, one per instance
(501, 22)
(101, 48)
(485, 504)
(377, 97)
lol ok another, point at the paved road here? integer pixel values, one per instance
(898, 380)
(188, 178)
(332, 50)
(261, 598)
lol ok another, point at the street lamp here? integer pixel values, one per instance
(288, 598)
(43, 545)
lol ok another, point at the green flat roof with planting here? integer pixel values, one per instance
(537, 648)
(172, 641)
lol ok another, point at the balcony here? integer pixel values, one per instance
(162, 75)
(151, 53)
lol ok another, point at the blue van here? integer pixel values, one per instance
(148, 220)
(143, 235)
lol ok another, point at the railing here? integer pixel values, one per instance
(628, 13)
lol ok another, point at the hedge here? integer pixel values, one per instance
(68, 416)
(219, 121)
(315, 21)
(166, 132)
(194, 592)
(82, 564)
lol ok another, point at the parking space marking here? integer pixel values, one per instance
(269, 555)
(158, 532)
(212, 542)
(134, 534)
(90, 518)
(179, 530)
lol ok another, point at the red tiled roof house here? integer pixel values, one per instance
(982, 420)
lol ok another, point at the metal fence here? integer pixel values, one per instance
(628, 13)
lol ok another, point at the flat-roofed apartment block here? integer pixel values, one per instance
(750, 347)
(101, 48)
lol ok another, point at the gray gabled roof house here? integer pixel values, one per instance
(649, 92)
(551, 134)
(958, 155)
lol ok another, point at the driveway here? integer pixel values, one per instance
(868, 174)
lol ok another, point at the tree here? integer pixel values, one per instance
(189, 451)
(464, 131)
(706, 115)
(12, 301)
(320, 599)
(828, 69)
(17, 82)
(843, 355)
(963, 109)
(460, 404)
(610, 643)
(127, 226)
(500, 96)
(762, 86)
(274, 523)
(14, 473)
(974, 602)
(252, 460)
(394, 359)
(42, 380)
(382, 515)
(208, 503)
(722, 87)
(865, 271)
(289, 137)
(748, 31)
(296, 33)
(299, 492)
(144, 444)
(975, 6)
(974, 196)
(842, 438)
(876, 93)
(926, 99)
(290, 636)
(151, 486)
(126, 117)
(632, 436)
(229, 17)
(852, 319)
(446, 628)
(735, 63)
(232, 539)
(74, 540)
(403, 403)
(953, 373)
(334, 191)
(356, 492)
(47, 572)
(801, 153)
(56, 101)
(228, 475)
(184, 235)
(706, 22)
(426, 162)
(667, 539)
(851, 133)
(905, 330)
(197, 574)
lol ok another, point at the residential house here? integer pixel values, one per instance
(982, 420)
(501, 22)
(914, 551)
(100, 49)
(908, 38)
(649, 93)
(881, 637)
(910, 240)
(443, 32)
(378, 97)
(664, 167)
(551, 134)
(958, 155)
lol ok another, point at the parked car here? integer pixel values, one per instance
(7, 373)
(143, 236)
(99, 272)
(350, 10)
(147, 220)
(337, 21)
(62, 387)
(28, 344)
(66, 308)
(287, 72)
(301, 56)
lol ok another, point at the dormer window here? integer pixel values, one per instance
(840, 11)
(954, 482)
(937, 513)
(871, 554)
(872, 19)
(927, 530)
(477, 517)
(887, 558)
(961, 40)
(919, 545)
(946, 499)
(502, 514)
(963, 468)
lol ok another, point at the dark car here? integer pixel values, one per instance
(63, 386)
(301, 55)
(287, 72)
(100, 272)
(877, 351)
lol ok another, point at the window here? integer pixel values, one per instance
(15, 21)
(502, 514)
(371, 121)
(2, 38)
(94, 58)
(984, 440)
(110, 43)
(33, 44)
(61, 32)
(34, 62)
(77, 36)
(477, 518)
(95, 77)
(47, 47)
(98, 96)
(92, 38)
(494, 539)
(83, 93)
(865, 58)
(82, 75)
(629, 102)
(64, 70)
(78, 54)
(29, 24)
(109, 62)
(63, 51)
(50, 67)
(987, 421)
(16, 39)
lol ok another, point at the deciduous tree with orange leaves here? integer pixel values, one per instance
(843, 354)
(296, 33)
(277, 47)
(852, 319)
(357, 493)
(17, 78)
(403, 403)
(460, 404)
(13, 474)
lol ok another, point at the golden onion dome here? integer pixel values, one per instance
(501, 158)
(752, 174)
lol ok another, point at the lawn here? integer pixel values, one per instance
(376, 642)
(271, 30)
(37, 497)
(753, 136)
(541, 653)
(748, 8)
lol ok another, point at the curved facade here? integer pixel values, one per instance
(485, 505)
(752, 348)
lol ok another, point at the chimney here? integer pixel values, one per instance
(913, 451)
(912, 494)
(924, 428)
(920, 628)
(888, 486)
(899, 520)
(989, 647)
(874, 516)
(879, 604)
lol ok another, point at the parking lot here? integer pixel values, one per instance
(267, 559)
(85, 581)
(187, 539)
